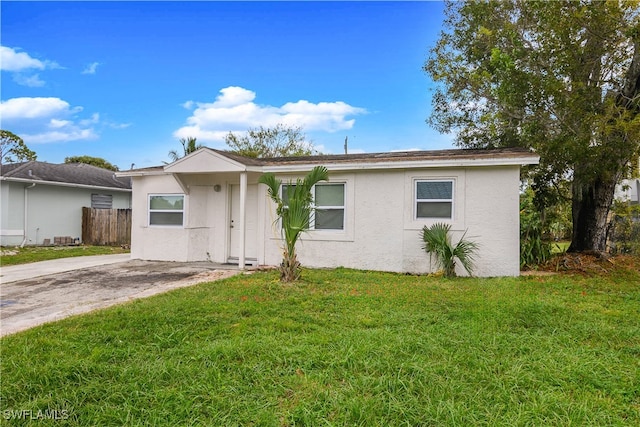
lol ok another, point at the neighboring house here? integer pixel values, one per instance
(42, 200)
(628, 191)
(209, 206)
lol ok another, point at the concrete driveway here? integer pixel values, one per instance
(37, 293)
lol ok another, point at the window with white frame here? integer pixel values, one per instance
(166, 209)
(329, 205)
(434, 199)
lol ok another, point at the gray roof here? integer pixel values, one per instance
(395, 156)
(506, 155)
(66, 173)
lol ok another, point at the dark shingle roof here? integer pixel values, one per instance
(369, 158)
(67, 173)
(497, 153)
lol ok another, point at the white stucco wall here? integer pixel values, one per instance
(381, 232)
(385, 235)
(205, 234)
(52, 211)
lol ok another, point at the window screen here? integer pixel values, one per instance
(434, 199)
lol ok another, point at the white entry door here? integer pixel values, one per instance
(251, 233)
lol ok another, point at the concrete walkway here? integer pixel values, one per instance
(14, 273)
(37, 293)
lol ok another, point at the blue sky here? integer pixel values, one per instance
(125, 80)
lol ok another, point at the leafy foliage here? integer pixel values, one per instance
(94, 161)
(13, 149)
(558, 77)
(534, 249)
(189, 145)
(277, 141)
(437, 241)
(294, 211)
(625, 228)
(539, 226)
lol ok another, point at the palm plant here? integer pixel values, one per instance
(189, 145)
(294, 208)
(438, 243)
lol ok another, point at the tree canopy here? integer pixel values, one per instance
(189, 145)
(13, 149)
(562, 78)
(94, 161)
(277, 141)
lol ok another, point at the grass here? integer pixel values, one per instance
(341, 347)
(560, 247)
(28, 254)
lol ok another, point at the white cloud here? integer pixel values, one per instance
(11, 60)
(30, 81)
(95, 118)
(234, 110)
(46, 120)
(31, 108)
(70, 133)
(118, 125)
(91, 68)
(55, 123)
(16, 62)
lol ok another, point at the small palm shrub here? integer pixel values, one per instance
(437, 243)
(294, 212)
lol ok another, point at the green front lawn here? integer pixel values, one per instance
(17, 255)
(342, 347)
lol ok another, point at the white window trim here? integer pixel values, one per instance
(345, 235)
(149, 210)
(312, 220)
(416, 200)
(343, 207)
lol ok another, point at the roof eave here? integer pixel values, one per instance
(64, 184)
(412, 164)
(138, 172)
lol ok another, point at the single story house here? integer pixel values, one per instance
(628, 191)
(41, 200)
(209, 206)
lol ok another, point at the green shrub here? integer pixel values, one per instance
(438, 242)
(624, 229)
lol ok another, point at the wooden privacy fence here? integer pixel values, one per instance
(106, 226)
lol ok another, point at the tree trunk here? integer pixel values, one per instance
(590, 211)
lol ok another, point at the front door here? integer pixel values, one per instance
(251, 233)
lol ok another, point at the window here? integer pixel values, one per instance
(101, 201)
(166, 209)
(329, 205)
(329, 202)
(434, 199)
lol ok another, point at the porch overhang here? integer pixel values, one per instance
(205, 161)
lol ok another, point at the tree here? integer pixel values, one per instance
(189, 145)
(562, 78)
(94, 161)
(294, 209)
(437, 242)
(13, 149)
(277, 141)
